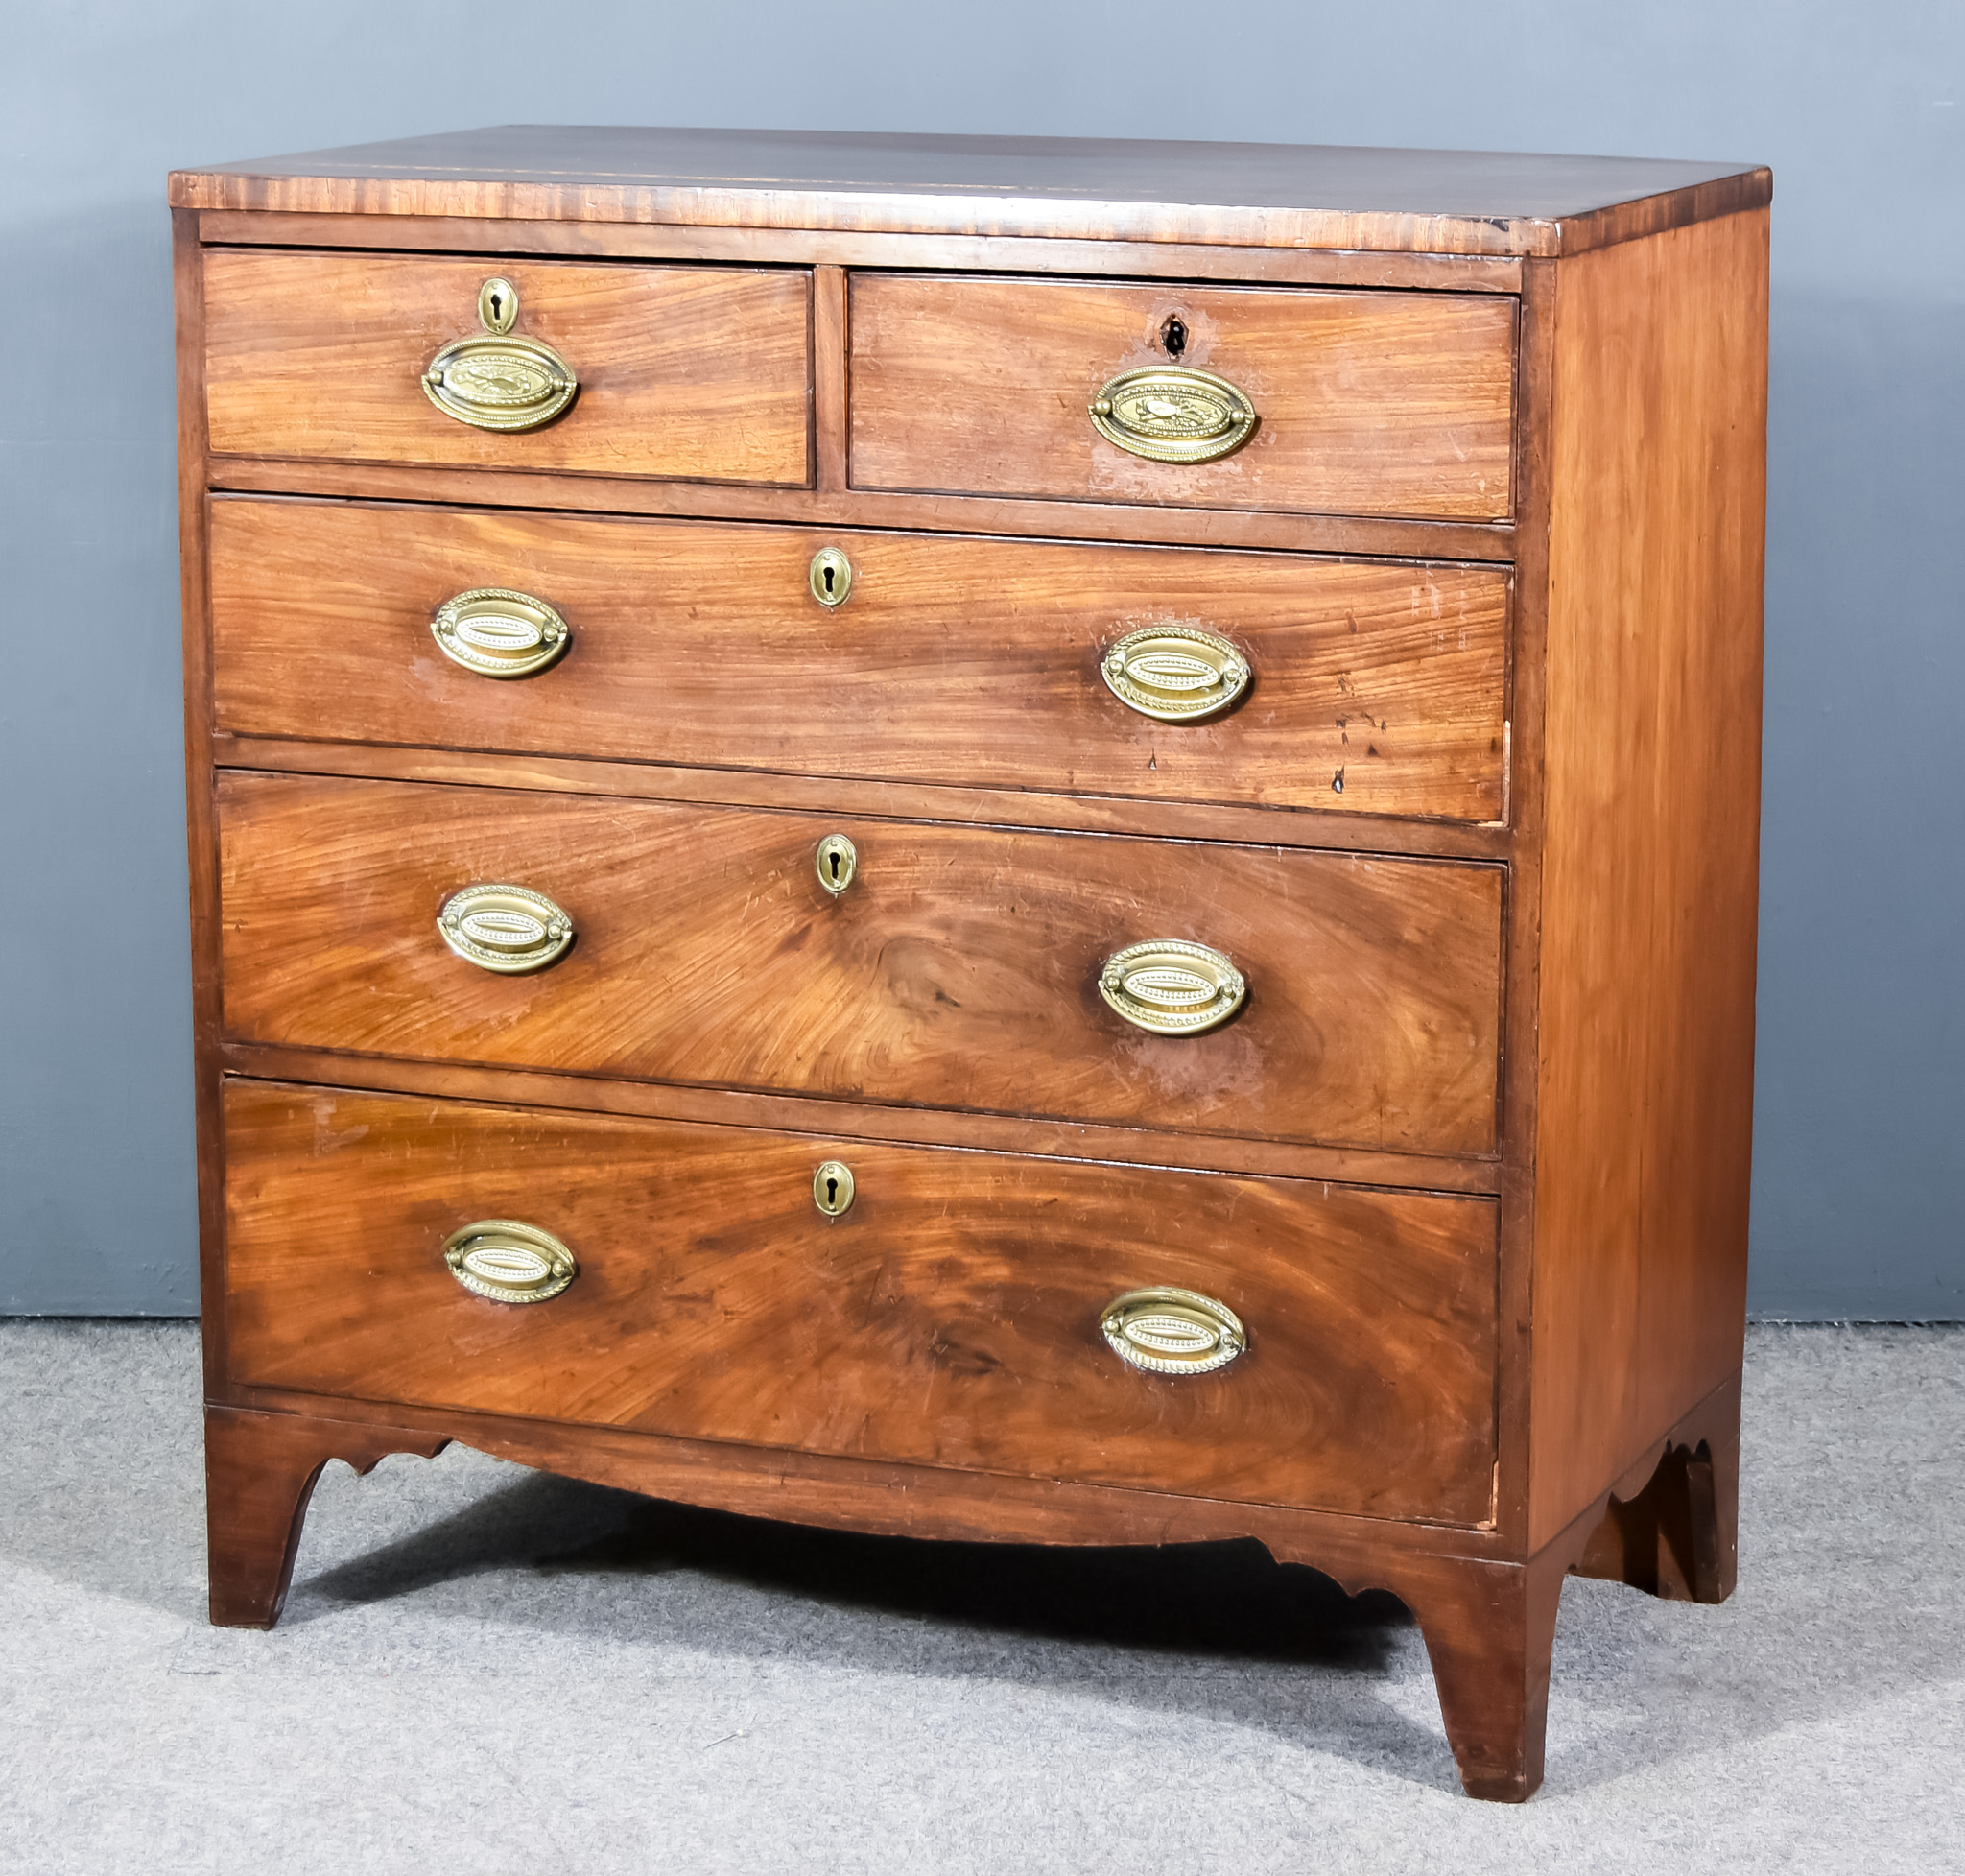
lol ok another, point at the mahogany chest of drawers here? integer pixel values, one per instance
(1028, 840)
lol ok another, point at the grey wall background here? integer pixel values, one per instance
(1856, 103)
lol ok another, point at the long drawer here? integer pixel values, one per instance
(953, 1317)
(1367, 687)
(961, 968)
(1359, 403)
(681, 371)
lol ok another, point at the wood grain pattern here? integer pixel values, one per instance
(1535, 381)
(1303, 266)
(829, 380)
(966, 806)
(853, 1120)
(1246, 194)
(1490, 1635)
(949, 1319)
(959, 970)
(1387, 404)
(1675, 1533)
(1545, 384)
(966, 515)
(200, 812)
(1648, 864)
(954, 661)
(260, 1470)
(697, 372)
(1486, 1616)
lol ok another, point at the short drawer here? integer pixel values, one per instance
(1369, 687)
(961, 968)
(953, 1317)
(697, 372)
(1396, 404)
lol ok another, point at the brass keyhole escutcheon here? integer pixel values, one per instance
(838, 861)
(498, 305)
(831, 1188)
(831, 577)
(494, 379)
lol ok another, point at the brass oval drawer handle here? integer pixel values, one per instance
(495, 380)
(500, 633)
(1174, 414)
(507, 929)
(1172, 1331)
(1174, 674)
(1172, 988)
(507, 1261)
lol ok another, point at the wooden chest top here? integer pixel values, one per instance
(1443, 202)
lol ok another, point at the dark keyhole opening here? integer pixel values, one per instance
(829, 587)
(832, 859)
(497, 306)
(832, 1192)
(1174, 336)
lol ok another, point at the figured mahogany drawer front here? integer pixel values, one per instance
(1372, 688)
(699, 372)
(961, 968)
(951, 1317)
(1364, 403)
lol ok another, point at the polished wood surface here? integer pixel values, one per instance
(1379, 689)
(1308, 267)
(1676, 1534)
(700, 372)
(260, 1470)
(1647, 912)
(1491, 542)
(1385, 404)
(1497, 981)
(959, 970)
(1252, 194)
(1522, 958)
(1487, 1618)
(866, 1119)
(951, 1317)
(964, 805)
(200, 814)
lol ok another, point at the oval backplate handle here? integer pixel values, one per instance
(500, 633)
(1172, 1331)
(495, 380)
(1172, 988)
(1174, 414)
(507, 1261)
(506, 929)
(1174, 674)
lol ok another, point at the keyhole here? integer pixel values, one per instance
(831, 577)
(1174, 336)
(838, 859)
(832, 1189)
(498, 305)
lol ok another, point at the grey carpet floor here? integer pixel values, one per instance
(487, 1672)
